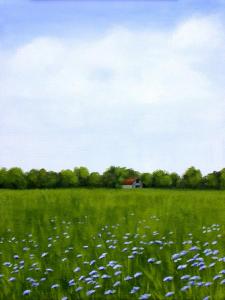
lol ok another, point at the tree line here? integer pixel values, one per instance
(16, 178)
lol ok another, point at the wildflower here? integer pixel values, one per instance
(117, 266)
(217, 277)
(105, 276)
(43, 279)
(194, 248)
(206, 298)
(151, 260)
(168, 278)
(93, 272)
(79, 288)
(49, 270)
(222, 281)
(111, 263)
(109, 292)
(134, 289)
(26, 292)
(44, 254)
(76, 270)
(195, 278)
(11, 279)
(184, 288)
(71, 282)
(90, 292)
(200, 283)
(175, 256)
(64, 298)
(117, 273)
(169, 294)
(116, 283)
(55, 286)
(138, 274)
(211, 265)
(35, 284)
(208, 283)
(92, 262)
(144, 296)
(128, 278)
(26, 249)
(181, 267)
(103, 255)
(185, 277)
(81, 277)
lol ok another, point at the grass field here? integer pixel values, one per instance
(112, 244)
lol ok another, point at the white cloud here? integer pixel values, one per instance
(134, 98)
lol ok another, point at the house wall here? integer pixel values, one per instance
(127, 186)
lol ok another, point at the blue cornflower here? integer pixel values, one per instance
(138, 274)
(168, 278)
(169, 294)
(76, 270)
(144, 296)
(109, 292)
(90, 292)
(127, 278)
(117, 283)
(134, 289)
(184, 288)
(26, 292)
(151, 260)
(181, 267)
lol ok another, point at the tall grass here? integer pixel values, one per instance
(53, 232)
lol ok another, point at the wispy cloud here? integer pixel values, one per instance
(141, 98)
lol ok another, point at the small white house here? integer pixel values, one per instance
(132, 183)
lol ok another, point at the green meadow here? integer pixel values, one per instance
(112, 244)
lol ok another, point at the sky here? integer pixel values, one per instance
(98, 83)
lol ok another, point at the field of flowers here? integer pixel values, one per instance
(112, 244)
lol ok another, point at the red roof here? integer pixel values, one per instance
(129, 181)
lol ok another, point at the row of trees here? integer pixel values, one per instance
(16, 178)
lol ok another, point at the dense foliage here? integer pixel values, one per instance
(16, 178)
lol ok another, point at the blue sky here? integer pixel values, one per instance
(136, 84)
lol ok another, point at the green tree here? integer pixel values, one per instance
(82, 174)
(192, 178)
(53, 179)
(146, 179)
(68, 178)
(42, 178)
(161, 179)
(3, 177)
(222, 179)
(15, 179)
(95, 179)
(33, 179)
(175, 179)
(212, 180)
